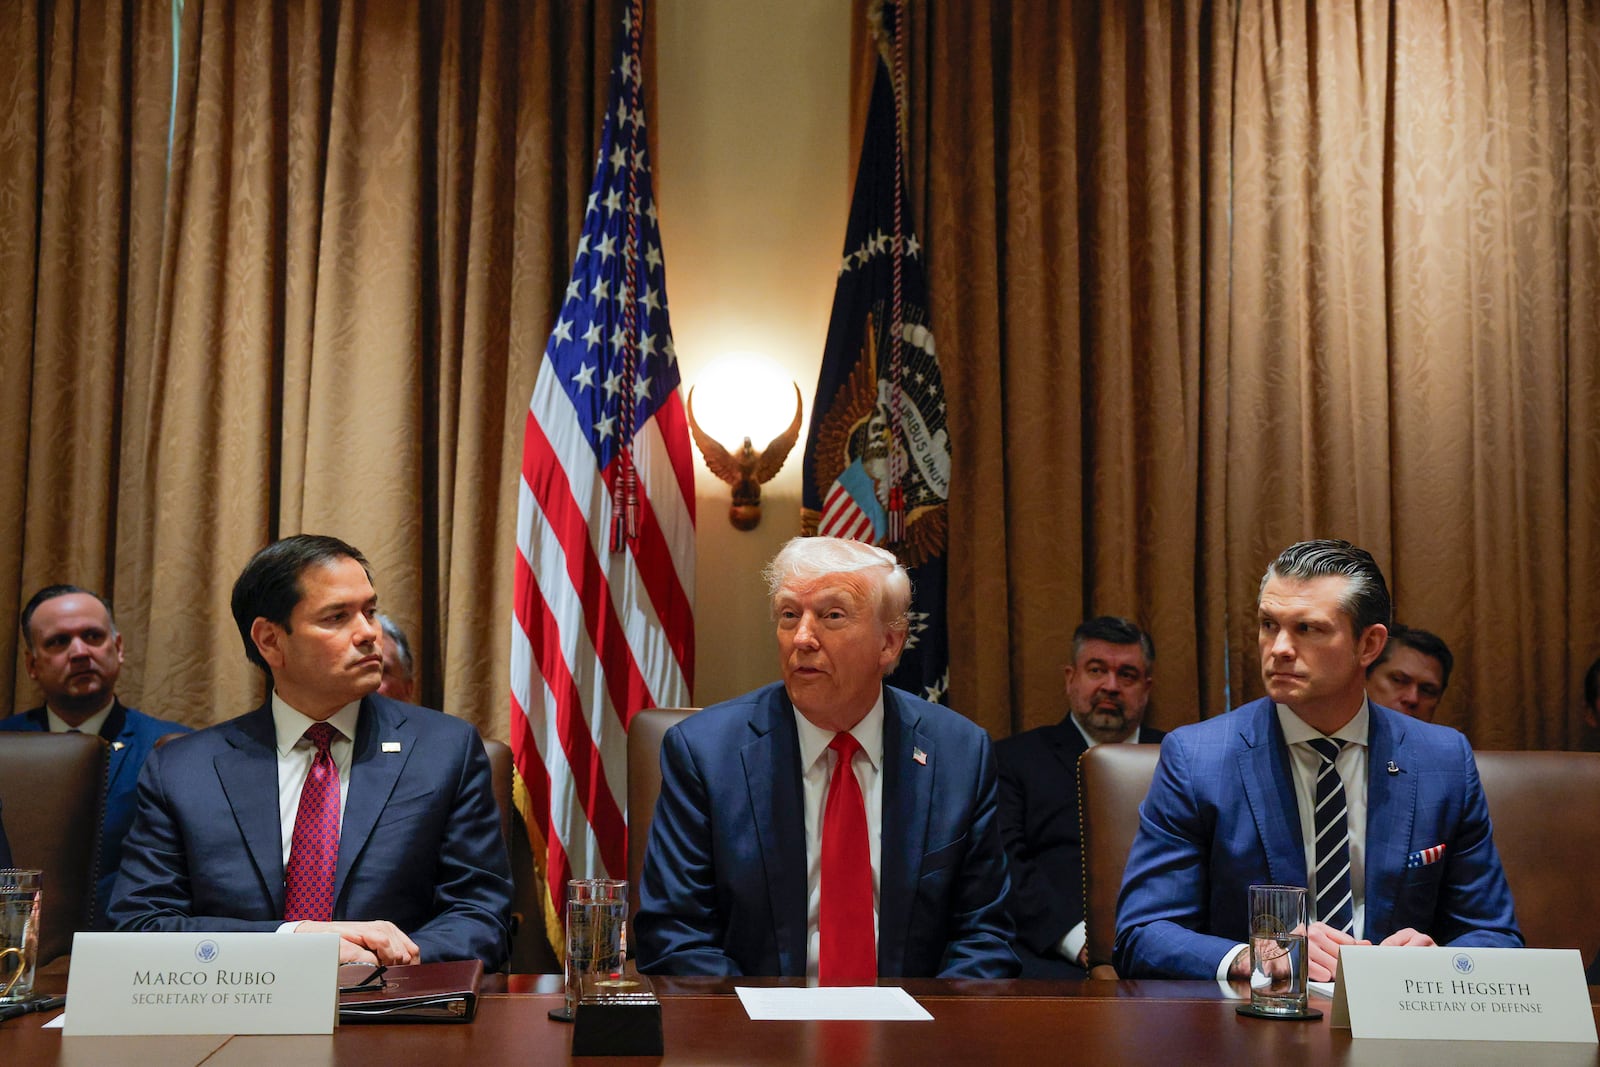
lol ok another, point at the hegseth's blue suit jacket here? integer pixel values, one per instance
(132, 735)
(419, 844)
(724, 885)
(1221, 815)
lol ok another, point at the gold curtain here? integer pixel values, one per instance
(1208, 279)
(296, 265)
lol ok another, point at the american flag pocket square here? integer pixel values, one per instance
(1425, 857)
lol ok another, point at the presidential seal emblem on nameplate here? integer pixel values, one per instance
(202, 983)
(1463, 994)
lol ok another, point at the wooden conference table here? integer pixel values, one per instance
(1164, 1023)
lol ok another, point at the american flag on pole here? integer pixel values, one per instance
(877, 462)
(603, 621)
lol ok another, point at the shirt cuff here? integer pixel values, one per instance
(289, 927)
(1073, 943)
(1227, 962)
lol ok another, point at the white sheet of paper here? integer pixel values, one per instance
(57, 1023)
(832, 1002)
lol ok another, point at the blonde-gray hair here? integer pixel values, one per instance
(808, 559)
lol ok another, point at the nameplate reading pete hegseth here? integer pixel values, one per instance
(147, 983)
(1462, 994)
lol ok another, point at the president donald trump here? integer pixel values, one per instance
(829, 826)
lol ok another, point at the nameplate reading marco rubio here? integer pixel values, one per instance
(203, 983)
(1461, 994)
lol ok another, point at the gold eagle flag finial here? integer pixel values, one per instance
(746, 469)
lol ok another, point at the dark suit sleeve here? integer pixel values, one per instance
(153, 885)
(1165, 885)
(1474, 906)
(5, 846)
(678, 928)
(138, 739)
(472, 883)
(1044, 912)
(980, 926)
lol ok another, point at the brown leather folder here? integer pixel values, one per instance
(422, 992)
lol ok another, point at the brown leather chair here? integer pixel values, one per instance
(530, 949)
(644, 785)
(1546, 812)
(53, 787)
(1112, 783)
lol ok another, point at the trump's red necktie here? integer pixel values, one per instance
(849, 950)
(314, 851)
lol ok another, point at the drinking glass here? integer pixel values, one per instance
(20, 894)
(597, 932)
(1278, 949)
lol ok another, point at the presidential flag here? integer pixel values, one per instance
(877, 463)
(603, 622)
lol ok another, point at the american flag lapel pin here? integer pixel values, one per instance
(391, 746)
(920, 756)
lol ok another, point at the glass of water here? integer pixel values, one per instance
(1278, 949)
(19, 932)
(597, 932)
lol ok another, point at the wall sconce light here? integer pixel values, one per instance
(735, 405)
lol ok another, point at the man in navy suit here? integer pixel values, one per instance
(383, 829)
(1412, 672)
(1234, 800)
(399, 668)
(749, 872)
(1108, 687)
(71, 647)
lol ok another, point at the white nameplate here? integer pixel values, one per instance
(148, 983)
(1462, 994)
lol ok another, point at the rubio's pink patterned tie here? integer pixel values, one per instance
(314, 852)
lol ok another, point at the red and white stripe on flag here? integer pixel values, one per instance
(843, 517)
(599, 634)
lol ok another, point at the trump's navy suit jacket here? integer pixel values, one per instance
(724, 885)
(419, 843)
(1221, 815)
(132, 735)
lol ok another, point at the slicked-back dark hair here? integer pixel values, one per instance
(1429, 644)
(1114, 630)
(1366, 595)
(269, 586)
(50, 592)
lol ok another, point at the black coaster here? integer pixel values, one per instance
(561, 1014)
(1299, 1016)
